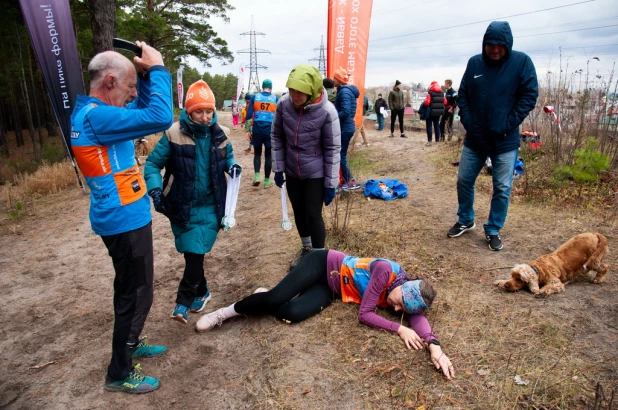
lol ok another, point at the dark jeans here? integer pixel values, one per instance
(307, 197)
(397, 113)
(131, 253)
(193, 283)
(435, 121)
(301, 294)
(345, 144)
(447, 119)
(257, 159)
(380, 121)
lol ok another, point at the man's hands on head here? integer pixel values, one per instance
(150, 57)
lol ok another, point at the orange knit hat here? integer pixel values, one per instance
(199, 96)
(341, 75)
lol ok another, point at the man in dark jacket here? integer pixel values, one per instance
(396, 102)
(497, 92)
(345, 103)
(380, 102)
(451, 104)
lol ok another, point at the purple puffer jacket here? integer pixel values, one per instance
(306, 142)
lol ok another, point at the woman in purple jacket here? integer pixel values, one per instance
(323, 276)
(306, 142)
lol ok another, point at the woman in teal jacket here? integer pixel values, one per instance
(196, 154)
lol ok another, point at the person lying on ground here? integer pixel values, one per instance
(323, 275)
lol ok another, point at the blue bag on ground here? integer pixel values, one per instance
(386, 189)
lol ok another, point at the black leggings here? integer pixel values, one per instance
(301, 294)
(307, 196)
(193, 283)
(268, 159)
(397, 113)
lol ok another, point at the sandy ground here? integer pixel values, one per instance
(56, 302)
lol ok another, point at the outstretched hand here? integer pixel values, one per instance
(441, 361)
(410, 338)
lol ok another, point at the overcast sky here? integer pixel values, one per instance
(401, 48)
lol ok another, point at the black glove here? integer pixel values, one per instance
(159, 200)
(329, 195)
(279, 179)
(235, 170)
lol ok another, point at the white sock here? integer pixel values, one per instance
(229, 312)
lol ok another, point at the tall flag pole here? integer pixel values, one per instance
(51, 31)
(347, 43)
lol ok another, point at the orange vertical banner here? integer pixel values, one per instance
(348, 38)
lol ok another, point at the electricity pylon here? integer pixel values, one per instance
(321, 59)
(253, 51)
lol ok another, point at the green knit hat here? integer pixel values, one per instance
(267, 84)
(307, 79)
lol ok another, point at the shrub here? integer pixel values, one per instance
(589, 163)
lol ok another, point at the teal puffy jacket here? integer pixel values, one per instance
(194, 183)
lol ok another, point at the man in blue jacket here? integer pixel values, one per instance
(345, 103)
(103, 127)
(261, 111)
(498, 90)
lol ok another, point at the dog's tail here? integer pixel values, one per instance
(599, 252)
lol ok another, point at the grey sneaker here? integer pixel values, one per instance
(304, 252)
(495, 243)
(392, 135)
(459, 229)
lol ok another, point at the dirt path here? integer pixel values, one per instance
(56, 306)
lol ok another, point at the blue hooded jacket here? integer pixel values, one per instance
(496, 96)
(345, 103)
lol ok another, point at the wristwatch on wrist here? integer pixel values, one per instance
(434, 342)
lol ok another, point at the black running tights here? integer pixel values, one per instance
(301, 294)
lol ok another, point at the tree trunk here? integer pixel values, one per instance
(102, 23)
(36, 102)
(19, 136)
(24, 92)
(4, 141)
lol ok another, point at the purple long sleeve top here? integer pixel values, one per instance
(380, 274)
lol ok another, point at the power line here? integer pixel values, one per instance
(321, 59)
(482, 21)
(403, 8)
(476, 41)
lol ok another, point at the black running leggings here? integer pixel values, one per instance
(301, 294)
(257, 159)
(307, 197)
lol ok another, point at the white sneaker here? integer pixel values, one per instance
(260, 290)
(210, 320)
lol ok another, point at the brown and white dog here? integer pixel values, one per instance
(549, 273)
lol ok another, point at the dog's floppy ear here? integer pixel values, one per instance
(527, 274)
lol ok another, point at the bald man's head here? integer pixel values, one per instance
(108, 62)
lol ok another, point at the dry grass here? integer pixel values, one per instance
(490, 336)
(48, 179)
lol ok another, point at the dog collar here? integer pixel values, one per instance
(535, 272)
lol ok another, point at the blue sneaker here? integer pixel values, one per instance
(199, 303)
(180, 313)
(135, 382)
(144, 349)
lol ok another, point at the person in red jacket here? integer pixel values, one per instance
(437, 101)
